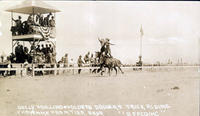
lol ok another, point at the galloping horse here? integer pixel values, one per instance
(109, 63)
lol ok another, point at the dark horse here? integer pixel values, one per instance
(110, 63)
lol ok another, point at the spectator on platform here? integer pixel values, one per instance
(43, 49)
(18, 52)
(41, 20)
(46, 20)
(38, 50)
(46, 49)
(52, 22)
(18, 26)
(26, 28)
(30, 19)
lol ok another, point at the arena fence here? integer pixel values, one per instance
(23, 70)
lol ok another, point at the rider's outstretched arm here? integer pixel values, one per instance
(99, 39)
(111, 44)
(13, 19)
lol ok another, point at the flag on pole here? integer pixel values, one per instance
(141, 31)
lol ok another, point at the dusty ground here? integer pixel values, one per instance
(179, 89)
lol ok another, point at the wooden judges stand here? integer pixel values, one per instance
(40, 33)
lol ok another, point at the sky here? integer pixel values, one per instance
(171, 29)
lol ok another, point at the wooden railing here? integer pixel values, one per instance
(22, 70)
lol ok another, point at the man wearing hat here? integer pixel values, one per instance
(18, 26)
(52, 22)
(107, 46)
(102, 42)
(17, 52)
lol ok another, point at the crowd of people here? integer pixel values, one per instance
(25, 27)
(43, 54)
(21, 54)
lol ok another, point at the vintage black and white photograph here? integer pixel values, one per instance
(99, 58)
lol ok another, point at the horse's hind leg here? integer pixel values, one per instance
(120, 70)
(98, 70)
(94, 71)
(115, 70)
(109, 71)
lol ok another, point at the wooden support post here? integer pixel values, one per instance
(73, 69)
(25, 70)
(55, 71)
(21, 71)
(33, 70)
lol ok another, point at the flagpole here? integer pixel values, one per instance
(140, 55)
(141, 45)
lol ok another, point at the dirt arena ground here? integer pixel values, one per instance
(178, 89)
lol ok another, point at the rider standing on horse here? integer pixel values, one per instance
(105, 57)
(105, 46)
(102, 42)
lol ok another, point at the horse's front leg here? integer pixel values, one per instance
(100, 69)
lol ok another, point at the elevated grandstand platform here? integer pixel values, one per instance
(35, 23)
(28, 37)
(39, 33)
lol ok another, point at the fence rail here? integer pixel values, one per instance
(12, 69)
(55, 69)
(87, 68)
